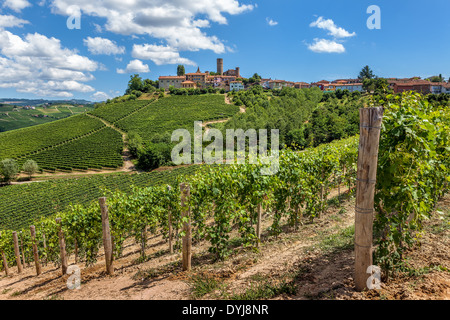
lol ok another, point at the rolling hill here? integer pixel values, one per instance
(96, 140)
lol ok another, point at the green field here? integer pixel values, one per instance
(22, 204)
(115, 111)
(102, 149)
(176, 112)
(12, 117)
(21, 142)
(84, 142)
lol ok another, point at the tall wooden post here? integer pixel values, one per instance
(62, 247)
(45, 249)
(185, 215)
(17, 252)
(21, 248)
(370, 128)
(169, 188)
(76, 250)
(5, 264)
(258, 225)
(107, 244)
(5, 261)
(35, 250)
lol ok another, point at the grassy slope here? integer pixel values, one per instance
(11, 120)
(177, 112)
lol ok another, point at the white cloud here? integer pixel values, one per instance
(271, 22)
(178, 22)
(135, 66)
(8, 21)
(160, 55)
(326, 46)
(40, 65)
(99, 45)
(100, 96)
(98, 28)
(16, 5)
(334, 30)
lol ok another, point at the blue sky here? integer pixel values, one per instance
(41, 58)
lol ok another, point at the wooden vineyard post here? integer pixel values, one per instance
(21, 248)
(17, 252)
(169, 188)
(45, 249)
(370, 119)
(258, 226)
(35, 250)
(62, 247)
(5, 262)
(76, 251)
(107, 243)
(185, 215)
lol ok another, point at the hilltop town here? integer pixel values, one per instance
(231, 80)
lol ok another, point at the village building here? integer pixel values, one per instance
(236, 86)
(167, 81)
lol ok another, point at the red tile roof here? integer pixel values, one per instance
(172, 77)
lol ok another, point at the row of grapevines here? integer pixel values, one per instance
(226, 194)
(23, 142)
(413, 173)
(102, 149)
(113, 112)
(21, 205)
(176, 112)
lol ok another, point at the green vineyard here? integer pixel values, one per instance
(102, 149)
(22, 204)
(176, 112)
(116, 111)
(22, 142)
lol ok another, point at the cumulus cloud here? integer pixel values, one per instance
(99, 45)
(334, 30)
(42, 66)
(160, 55)
(100, 96)
(135, 66)
(271, 22)
(16, 5)
(177, 22)
(326, 46)
(8, 21)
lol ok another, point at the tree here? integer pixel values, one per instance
(181, 71)
(135, 83)
(438, 78)
(366, 73)
(150, 85)
(9, 169)
(30, 167)
(378, 85)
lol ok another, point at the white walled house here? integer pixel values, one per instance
(350, 87)
(236, 86)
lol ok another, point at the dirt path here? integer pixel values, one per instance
(228, 101)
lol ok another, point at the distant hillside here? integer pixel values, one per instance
(39, 102)
(95, 140)
(15, 117)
